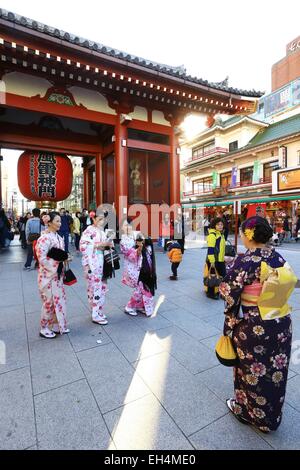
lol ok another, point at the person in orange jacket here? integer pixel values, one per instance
(175, 256)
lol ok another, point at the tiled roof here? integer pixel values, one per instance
(276, 131)
(179, 72)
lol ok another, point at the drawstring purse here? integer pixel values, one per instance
(225, 352)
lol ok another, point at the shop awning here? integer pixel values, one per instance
(244, 201)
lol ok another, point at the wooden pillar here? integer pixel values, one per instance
(98, 172)
(121, 167)
(174, 168)
(86, 187)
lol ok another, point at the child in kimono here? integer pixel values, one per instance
(50, 279)
(92, 244)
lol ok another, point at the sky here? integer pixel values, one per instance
(212, 39)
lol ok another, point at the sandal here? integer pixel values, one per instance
(230, 404)
(48, 334)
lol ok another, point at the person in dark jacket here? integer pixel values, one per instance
(5, 228)
(64, 230)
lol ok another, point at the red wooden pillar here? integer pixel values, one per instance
(121, 167)
(98, 171)
(86, 187)
(174, 168)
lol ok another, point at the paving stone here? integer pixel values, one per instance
(188, 351)
(195, 327)
(144, 424)
(179, 392)
(228, 434)
(133, 342)
(84, 334)
(292, 393)
(113, 380)
(14, 344)
(219, 380)
(17, 430)
(287, 436)
(53, 364)
(68, 419)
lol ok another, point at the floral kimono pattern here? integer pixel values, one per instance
(50, 286)
(141, 299)
(92, 262)
(132, 262)
(263, 347)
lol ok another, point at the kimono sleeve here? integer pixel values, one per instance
(87, 244)
(211, 244)
(43, 246)
(230, 289)
(128, 251)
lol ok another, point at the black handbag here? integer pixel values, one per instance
(230, 250)
(212, 279)
(112, 259)
(69, 277)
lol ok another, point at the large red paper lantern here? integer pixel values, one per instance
(45, 176)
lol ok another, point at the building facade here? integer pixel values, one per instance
(215, 178)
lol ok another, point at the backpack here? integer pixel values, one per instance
(277, 287)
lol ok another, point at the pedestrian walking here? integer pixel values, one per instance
(215, 261)
(77, 230)
(175, 256)
(33, 232)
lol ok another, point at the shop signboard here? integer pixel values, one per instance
(287, 97)
(214, 179)
(256, 171)
(234, 176)
(286, 181)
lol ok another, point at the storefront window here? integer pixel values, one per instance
(268, 169)
(225, 179)
(203, 186)
(203, 150)
(246, 175)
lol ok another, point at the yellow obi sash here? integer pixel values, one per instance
(250, 294)
(271, 294)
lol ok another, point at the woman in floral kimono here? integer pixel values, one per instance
(141, 300)
(50, 279)
(263, 346)
(92, 244)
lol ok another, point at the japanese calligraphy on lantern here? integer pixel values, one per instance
(46, 180)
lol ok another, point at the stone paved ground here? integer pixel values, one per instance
(152, 383)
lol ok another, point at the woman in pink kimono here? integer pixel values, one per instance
(92, 244)
(136, 257)
(51, 256)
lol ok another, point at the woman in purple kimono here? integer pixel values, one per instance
(263, 346)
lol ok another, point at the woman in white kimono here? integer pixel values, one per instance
(92, 244)
(50, 279)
